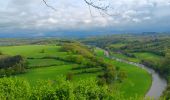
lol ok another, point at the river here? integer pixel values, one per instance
(159, 84)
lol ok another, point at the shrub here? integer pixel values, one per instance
(1, 53)
(11, 89)
(69, 76)
(42, 51)
(12, 65)
(91, 91)
(60, 89)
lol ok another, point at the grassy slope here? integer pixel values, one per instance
(138, 80)
(45, 73)
(51, 68)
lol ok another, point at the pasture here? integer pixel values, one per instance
(138, 80)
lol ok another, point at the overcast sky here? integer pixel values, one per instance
(34, 17)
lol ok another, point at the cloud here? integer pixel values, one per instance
(33, 15)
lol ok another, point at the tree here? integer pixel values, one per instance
(2, 72)
(1, 53)
(69, 76)
(12, 65)
(42, 51)
(166, 65)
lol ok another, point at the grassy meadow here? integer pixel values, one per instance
(41, 67)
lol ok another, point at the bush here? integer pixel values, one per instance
(77, 48)
(1, 53)
(42, 51)
(12, 65)
(19, 89)
(69, 76)
(11, 89)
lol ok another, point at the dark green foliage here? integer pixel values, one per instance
(165, 70)
(42, 51)
(7, 62)
(77, 48)
(1, 53)
(110, 74)
(12, 65)
(69, 76)
(151, 64)
(89, 60)
(121, 76)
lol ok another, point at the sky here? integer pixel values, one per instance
(34, 18)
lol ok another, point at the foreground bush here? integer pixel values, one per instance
(11, 89)
(14, 89)
(18, 89)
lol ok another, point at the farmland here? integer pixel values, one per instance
(42, 65)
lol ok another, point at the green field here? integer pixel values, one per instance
(117, 45)
(137, 82)
(119, 55)
(40, 69)
(147, 56)
(138, 56)
(99, 52)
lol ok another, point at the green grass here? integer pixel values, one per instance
(45, 73)
(139, 56)
(147, 56)
(137, 82)
(121, 56)
(53, 72)
(117, 45)
(31, 50)
(99, 52)
(48, 68)
(44, 63)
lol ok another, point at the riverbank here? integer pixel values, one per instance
(159, 84)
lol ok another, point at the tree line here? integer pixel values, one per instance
(12, 65)
(87, 59)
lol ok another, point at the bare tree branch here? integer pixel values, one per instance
(90, 10)
(49, 5)
(103, 8)
(90, 4)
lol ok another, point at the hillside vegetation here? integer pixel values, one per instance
(151, 50)
(75, 62)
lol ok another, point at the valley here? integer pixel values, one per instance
(118, 69)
